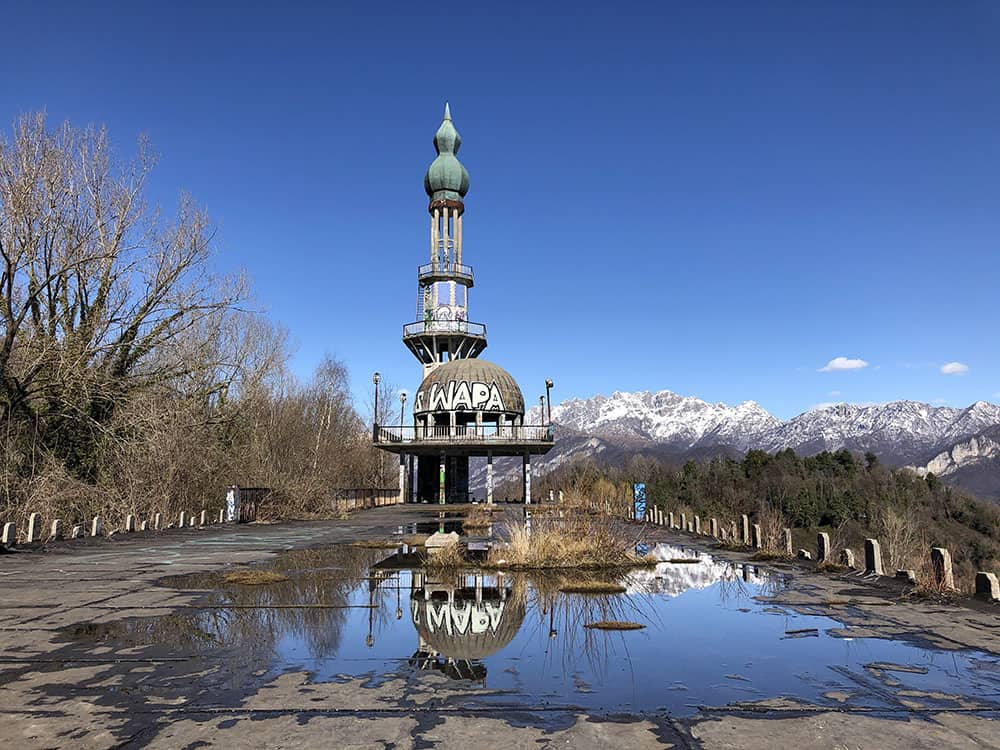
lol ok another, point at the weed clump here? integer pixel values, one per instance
(253, 577)
(577, 542)
(614, 625)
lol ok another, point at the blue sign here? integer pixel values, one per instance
(639, 500)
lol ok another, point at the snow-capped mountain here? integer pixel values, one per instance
(973, 464)
(667, 424)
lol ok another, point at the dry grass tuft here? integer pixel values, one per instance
(579, 542)
(376, 544)
(253, 577)
(479, 517)
(444, 558)
(416, 540)
(615, 625)
(593, 587)
(762, 555)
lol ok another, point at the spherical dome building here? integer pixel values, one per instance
(468, 391)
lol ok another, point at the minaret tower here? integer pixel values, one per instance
(442, 331)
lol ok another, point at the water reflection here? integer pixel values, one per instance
(346, 611)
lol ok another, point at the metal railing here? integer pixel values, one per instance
(470, 433)
(431, 270)
(420, 327)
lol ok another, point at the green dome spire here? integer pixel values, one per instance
(446, 178)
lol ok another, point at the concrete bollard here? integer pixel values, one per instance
(144, 525)
(847, 558)
(805, 554)
(55, 531)
(745, 528)
(157, 519)
(787, 534)
(910, 576)
(713, 525)
(96, 526)
(183, 519)
(670, 519)
(734, 534)
(684, 522)
(822, 547)
(987, 586)
(873, 557)
(724, 534)
(9, 534)
(204, 518)
(191, 521)
(77, 531)
(222, 515)
(758, 537)
(34, 527)
(941, 562)
(690, 527)
(697, 525)
(129, 523)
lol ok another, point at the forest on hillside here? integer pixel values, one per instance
(134, 377)
(850, 496)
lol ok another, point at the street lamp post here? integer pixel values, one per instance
(402, 407)
(541, 406)
(375, 379)
(548, 399)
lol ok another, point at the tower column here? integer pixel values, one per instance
(489, 478)
(441, 480)
(402, 478)
(413, 479)
(526, 472)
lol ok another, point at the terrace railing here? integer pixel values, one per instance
(420, 327)
(471, 433)
(443, 270)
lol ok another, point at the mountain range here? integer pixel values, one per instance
(961, 446)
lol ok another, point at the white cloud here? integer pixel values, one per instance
(954, 368)
(843, 363)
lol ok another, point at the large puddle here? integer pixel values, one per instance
(708, 639)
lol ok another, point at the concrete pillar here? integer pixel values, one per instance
(191, 520)
(714, 526)
(561, 498)
(527, 478)
(203, 519)
(723, 533)
(873, 557)
(697, 525)
(34, 527)
(222, 515)
(670, 520)
(144, 525)
(129, 523)
(157, 518)
(96, 526)
(758, 537)
(441, 470)
(941, 563)
(690, 527)
(822, 547)
(787, 534)
(489, 477)
(684, 522)
(847, 558)
(745, 528)
(987, 586)
(402, 479)
(413, 479)
(9, 534)
(55, 531)
(77, 532)
(183, 519)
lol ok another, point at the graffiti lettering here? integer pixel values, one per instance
(459, 395)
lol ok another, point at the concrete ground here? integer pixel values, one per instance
(57, 691)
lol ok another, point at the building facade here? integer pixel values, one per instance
(465, 406)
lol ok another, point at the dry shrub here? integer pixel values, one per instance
(479, 517)
(902, 540)
(772, 529)
(576, 542)
(253, 577)
(449, 557)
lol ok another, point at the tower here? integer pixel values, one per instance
(465, 406)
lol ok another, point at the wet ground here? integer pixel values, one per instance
(104, 647)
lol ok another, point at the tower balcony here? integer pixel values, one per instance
(431, 272)
(470, 439)
(430, 339)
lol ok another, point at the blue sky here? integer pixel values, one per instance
(714, 198)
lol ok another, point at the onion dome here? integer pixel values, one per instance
(469, 385)
(446, 178)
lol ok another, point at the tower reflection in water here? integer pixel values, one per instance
(462, 619)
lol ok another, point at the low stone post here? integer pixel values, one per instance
(734, 533)
(55, 531)
(805, 554)
(847, 558)
(77, 531)
(714, 526)
(822, 547)
(204, 518)
(697, 525)
(787, 534)
(144, 525)
(157, 520)
(670, 518)
(987, 586)
(129, 523)
(222, 515)
(873, 557)
(758, 537)
(690, 527)
(96, 526)
(941, 562)
(684, 522)
(183, 519)
(745, 521)
(191, 520)
(9, 534)
(34, 527)
(723, 533)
